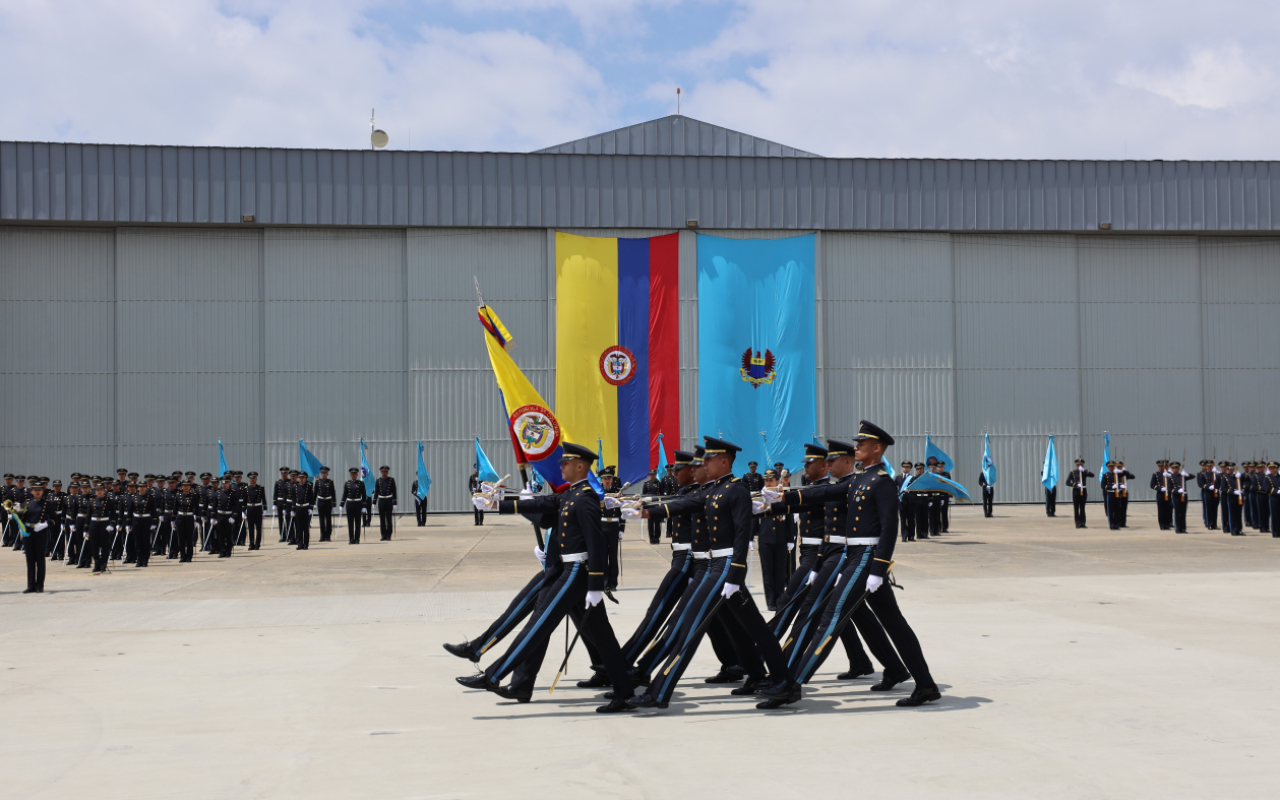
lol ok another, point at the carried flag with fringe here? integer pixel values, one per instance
(931, 450)
(1049, 475)
(988, 465)
(366, 474)
(933, 482)
(222, 460)
(484, 468)
(307, 461)
(424, 479)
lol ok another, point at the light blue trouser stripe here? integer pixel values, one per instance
(817, 604)
(530, 597)
(511, 660)
(697, 620)
(812, 664)
(676, 585)
(665, 648)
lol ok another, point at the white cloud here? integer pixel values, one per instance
(1210, 79)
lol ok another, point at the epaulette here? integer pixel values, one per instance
(882, 472)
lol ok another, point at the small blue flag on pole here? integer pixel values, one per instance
(988, 466)
(1049, 475)
(931, 450)
(222, 460)
(889, 468)
(366, 474)
(1106, 452)
(424, 480)
(662, 457)
(484, 469)
(307, 462)
(592, 478)
(933, 482)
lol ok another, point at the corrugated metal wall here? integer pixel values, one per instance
(155, 184)
(676, 136)
(141, 346)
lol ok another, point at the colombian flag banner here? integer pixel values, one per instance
(617, 345)
(535, 433)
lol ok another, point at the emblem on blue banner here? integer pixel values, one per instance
(757, 369)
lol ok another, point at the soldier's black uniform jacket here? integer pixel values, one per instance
(870, 510)
(226, 502)
(681, 514)
(1207, 479)
(611, 518)
(385, 489)
(254, 496)
(302, 495)
(578, 528)
(1078, 478)
(36, 512)
(185, 503)
(728, 510)
(832, 497)
(353, 491)
(776, 528)
(669, 485)
(208, 498)
(10, 493)
(325, 491)
(812, 515)
(100, 507)
(652, 487)
(280, 493)
(139, 505)
(754, 481)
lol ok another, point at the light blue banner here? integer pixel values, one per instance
(222, 461)
(307, 461)
(424, 479)
(756, 362)
(366, 474)
(931, 450)
(988, 464)
(1049, 475)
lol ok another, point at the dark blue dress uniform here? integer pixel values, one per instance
(255, 502)
(871, 531)
(419, 505)
(102, 513)
(1231, 490)
(522, 605)
(326, 498)
(36, 517)
(1078, 480)
(226, 514)
(186, 508)
(613, 525)
(139, 508)
(1207, 481)
(1271, 495)
(727, 504)
(907, 511)
(775, 532)
(810, 533)
(302, 498)
(576, 560)
(280, 499)
(1160, 485)
(353, 496)
(384, 492)
(653, 488)
(988, 496)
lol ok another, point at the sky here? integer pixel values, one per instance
(851, 78)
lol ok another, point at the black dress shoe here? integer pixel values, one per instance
(614, 707)
(921, 696)
(771, 703)
(784, 692)
(637, 677)
(519, 695)
(645, 700)
(29, 590)
(726, 675)
(596, 680)
(889, 681)
(854, 674)
(464, 650)
(748, 687)
(480, 681)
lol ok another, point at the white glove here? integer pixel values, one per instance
(729, 590)
(111, 528)
(41, 526)
(244, 515)
(483, 503)
(1236, 493)
(488, 488)
(631, 513)
(1182, 491)
(838, 577)
(770, 495)
(791, 546)
(526, 493)
(809, 580)
(86, 536)
(621, 535)
(394, 507)
(612, 502)
(594, 598)
(540, 554)
(874, 582)
(759, 506)
(753, 544)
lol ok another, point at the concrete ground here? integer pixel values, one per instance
(1075, 664)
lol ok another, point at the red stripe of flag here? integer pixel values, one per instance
(664, 341)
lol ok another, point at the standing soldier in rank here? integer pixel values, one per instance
(353, 504)
(775, 537)
(302, 499)
(653, 488)
(1207, 480)
(384, 491)
(1178, 496)
(613, 525)
(255, 501)
(227, 517)
(186, 509)
(1271, 487)
(280, 502)
(326, 496)
(1078, 480)
(906, 511)
(1231, 490)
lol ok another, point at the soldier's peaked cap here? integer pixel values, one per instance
(868, 430)
(814, 452)
(354, 471)
(609, 471)
(837, 449)
(715, 447)
(698, 453)
(253, 474)
(919, 465)
(284, 469)
(322, 469)
(683, 459)
(380, 469)
(577, 451)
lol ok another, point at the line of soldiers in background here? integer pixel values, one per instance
(133, 517)
(1248, 494)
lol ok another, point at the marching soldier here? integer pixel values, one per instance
(576, 555)
(473, 486)
(384, 490)
(653, 487)
(1207, 480)
(613, 525)
(101, 528)
(1078, 481)
(36, 517)
(870, 536)
(353, 504)
(280, 503)
(255, 501)
(326, 496)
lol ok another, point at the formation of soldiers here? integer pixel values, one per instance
(1246, 494)
(845, 517)
(132, 518)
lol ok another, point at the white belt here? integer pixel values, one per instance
(101, 519)
(810, 540)
(574, 558)
(186, 513)
(384, 497)
(853, 539)
(723, 552)
(141, 515)
(701, 555)
(254, 505)
(678, 547)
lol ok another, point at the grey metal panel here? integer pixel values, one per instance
(676, 135)
(334, 265)
(189, 264)
(510, 266)
(56, 264)
(56, 408)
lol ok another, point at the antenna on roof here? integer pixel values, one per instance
(677, 101)
(377, 138)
